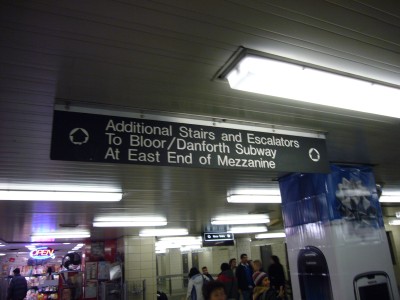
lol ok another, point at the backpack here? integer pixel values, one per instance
(193, 293)
(161, 296)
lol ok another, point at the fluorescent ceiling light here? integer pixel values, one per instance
(164, 232)
(390, 192)
(2, 245)
(240, 219)
(297, 81)
(59, 196)
(394, 222)
(270, 235)
(190, 248)
(254, 198)
(2, 254)
(58, 187)
(180, 239)
(129, 221)
(61, 235)
(77, 247)
(179, 242)
(248, 229)
(389, 199)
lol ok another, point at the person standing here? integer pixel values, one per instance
(227, 277)
(244, 277)
(233, 264)
(258, 274)
(264, 292)
(195, 286)
(276, 273)
(207, 276)
(18, 286)
(214, 291)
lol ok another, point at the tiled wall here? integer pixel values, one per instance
(174, 259)
(140, 263)
(243, 246)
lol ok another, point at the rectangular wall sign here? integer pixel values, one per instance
(178, 142)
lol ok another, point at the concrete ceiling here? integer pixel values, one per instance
(162, 56)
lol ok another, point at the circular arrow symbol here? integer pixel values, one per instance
(79, 136)
(314, 154)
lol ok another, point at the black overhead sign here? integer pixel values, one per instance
(218, 239)
(217, 236)
(167, 141)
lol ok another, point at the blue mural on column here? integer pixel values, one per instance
(334, 226)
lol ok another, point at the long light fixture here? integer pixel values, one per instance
(247, 229)
(129, 221)
(189, 248)
(240, 219)
(394, 222)
(77, 247)
(389, 199)
(270, 75)
(242, 198)
(61, 235)
(2, 254)
(390, 196)
(164, 232)
(270, 235)
(179, 242)
(19, 195)
(181, 239)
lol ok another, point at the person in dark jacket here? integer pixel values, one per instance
(265, 292)
(18, 286)
(227, 277)
(207, 275)
(244, 274)
(276, 273)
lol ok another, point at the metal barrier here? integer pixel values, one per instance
(135, 290)
(175, 286)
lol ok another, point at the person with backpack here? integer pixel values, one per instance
(228, 278)
(195, 285)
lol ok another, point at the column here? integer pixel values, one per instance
(243, 245)
(140, 264)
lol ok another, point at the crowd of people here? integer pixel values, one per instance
(244, 281)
